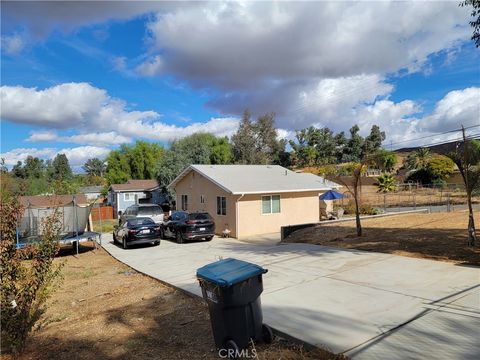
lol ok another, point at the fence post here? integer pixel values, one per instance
(414, 202)
(448, 202)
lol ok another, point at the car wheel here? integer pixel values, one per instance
(156, 243)
(125, 246)
(208, 238)
(179, 237)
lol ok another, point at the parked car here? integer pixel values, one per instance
(183, 225)
(140, 230)
(152, 211)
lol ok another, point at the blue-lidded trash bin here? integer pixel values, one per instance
(232, 290)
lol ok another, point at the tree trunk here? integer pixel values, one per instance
(472, 236)
(357, 217)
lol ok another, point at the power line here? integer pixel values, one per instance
(469, 137)
(433, 135)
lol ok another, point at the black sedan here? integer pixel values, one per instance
(183, 225)
(140, 230)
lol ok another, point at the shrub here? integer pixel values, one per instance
(27, 276)
(365, 209)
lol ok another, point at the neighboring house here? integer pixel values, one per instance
(250, 199)
(121, 196)
(48, 201)
(92, 192)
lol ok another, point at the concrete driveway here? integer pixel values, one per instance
(367, 305)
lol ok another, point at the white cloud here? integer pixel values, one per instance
(459, 107)
(106, 138)
(338, 103)
(76, 156)
(13, 44)
(42, 136)
(99, 118)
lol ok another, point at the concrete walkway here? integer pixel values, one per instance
(368, 305)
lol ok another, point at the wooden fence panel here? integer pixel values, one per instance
(105, 212)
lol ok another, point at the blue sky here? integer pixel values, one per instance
(83, 79)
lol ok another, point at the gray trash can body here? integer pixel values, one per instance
(232, 289)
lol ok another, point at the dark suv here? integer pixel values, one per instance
(183, 225)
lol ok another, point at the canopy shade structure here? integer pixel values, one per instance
(331, 195)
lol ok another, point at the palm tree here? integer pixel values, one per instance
(94, 167)
(467, 159)
(386, 183)
(418, 160)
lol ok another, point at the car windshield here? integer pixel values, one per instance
(199, 216)
(140, 221)
(150, 210)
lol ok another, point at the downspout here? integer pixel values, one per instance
(236, 216)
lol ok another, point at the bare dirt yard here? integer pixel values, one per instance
(105, 310)
(437, 236)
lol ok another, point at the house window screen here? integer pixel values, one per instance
(221, 205)
(184, 202)
(271, 204)
(202, 199)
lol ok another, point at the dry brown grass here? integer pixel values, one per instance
(105, 310)
(438, 236)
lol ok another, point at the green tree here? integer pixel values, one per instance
(268, 147)
(61, 170)
(221, 152)
(169, 167)
(475, 22)
(385, 160)
(467, 159)
(133, 162)
(386, 183)
(33, 167)
(95, 167)
(373, 142)
(18, 171)
(418, 160)
(440, 167)
(143, 158)
(256, 142)
(354, 148)
(244, 142)
(118, 167)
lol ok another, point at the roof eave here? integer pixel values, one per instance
(279, 191)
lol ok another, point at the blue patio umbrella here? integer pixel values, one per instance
(331, 195)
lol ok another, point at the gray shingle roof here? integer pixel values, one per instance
(258, 179)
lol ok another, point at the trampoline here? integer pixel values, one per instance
(74, 220)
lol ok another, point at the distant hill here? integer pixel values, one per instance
(439, 149)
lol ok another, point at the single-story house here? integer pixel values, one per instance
(92, 192)
(250, 199)
(121, 196)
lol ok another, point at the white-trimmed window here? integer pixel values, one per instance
(203, 199)
(184, 202)
(271, 204)
(129, 197)
(221, 205)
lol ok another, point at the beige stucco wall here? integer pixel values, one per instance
(295, 208)
(194, 185)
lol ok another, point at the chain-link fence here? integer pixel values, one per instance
(413, 196)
